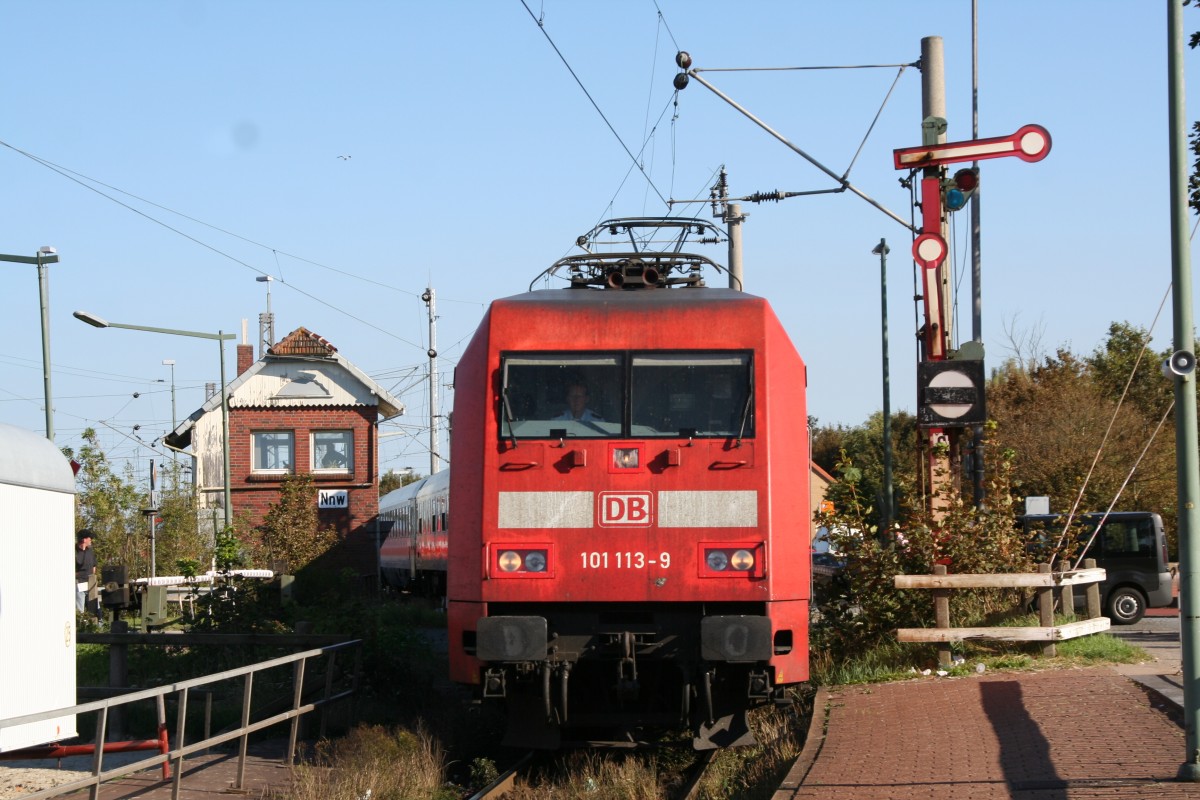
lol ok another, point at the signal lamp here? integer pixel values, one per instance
(958, 190)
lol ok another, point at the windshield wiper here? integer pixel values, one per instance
(746, 407)
(508, 417)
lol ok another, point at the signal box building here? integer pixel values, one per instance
(302, 408)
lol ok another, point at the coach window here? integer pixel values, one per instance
(692, 394)
(332, 451)
(272, 451)
(541, 392)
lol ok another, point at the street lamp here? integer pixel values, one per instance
(882, 251)
(221, 337)
(45, 256)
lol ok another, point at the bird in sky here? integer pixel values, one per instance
(344, 158)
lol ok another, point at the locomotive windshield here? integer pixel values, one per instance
(626, 395)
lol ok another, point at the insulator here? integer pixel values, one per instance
(767, 197)
(683, 59)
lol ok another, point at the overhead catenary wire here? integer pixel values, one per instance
(86, 182)
(542, 27)
(1129, 476)
(1111, 424)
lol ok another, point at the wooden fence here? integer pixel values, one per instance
(1047, 584)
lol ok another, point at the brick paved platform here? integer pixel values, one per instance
(1055, 735)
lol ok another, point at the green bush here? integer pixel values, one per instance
(862, 608)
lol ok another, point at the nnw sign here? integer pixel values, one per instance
(333, 498)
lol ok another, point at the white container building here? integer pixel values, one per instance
(37, 588)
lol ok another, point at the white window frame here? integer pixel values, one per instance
(255, 448)
(347, 439)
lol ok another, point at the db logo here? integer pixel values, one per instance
(626, 508)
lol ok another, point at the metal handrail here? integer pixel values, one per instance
(176, 754)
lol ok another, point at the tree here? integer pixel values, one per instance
(110, 506)
(1126, 366)
(392, 480)
(291, 531)
(860, 449)
(180, 546)
(1069, 438)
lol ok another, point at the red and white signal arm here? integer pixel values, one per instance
(1029, 143)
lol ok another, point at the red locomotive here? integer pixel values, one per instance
(629, 540)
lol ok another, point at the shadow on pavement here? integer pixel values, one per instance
(1024, 750)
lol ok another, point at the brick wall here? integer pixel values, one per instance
(252, 495)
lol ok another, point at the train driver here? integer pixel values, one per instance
(577, 405)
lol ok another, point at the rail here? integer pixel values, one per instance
(1046, 583)
(175, 756)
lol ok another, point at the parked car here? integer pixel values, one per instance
(1129, 546)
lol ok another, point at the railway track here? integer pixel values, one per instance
(691, 786)
(505, 781)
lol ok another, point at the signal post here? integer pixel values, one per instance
(950, 384)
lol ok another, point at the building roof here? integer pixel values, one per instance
(300, 346)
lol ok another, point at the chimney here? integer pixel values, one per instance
(245, 357)
(245, 352)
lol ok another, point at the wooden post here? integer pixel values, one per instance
(1066, 599)
(1046, 611)
(941, 615)
(1093, 592)
(118, 678)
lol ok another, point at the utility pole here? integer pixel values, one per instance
(1182, 367)
(938, 444)
(976, 258)
(435, 456)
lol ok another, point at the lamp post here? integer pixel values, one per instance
(221, 337)
(45, 256)
(882, 250)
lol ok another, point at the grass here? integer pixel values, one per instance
(747, 773)
(373, 762)
(891, 661)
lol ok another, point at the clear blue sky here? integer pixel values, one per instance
(202, 145)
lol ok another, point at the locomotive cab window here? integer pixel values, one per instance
(613, 396)
(563, 394)
(692, 394)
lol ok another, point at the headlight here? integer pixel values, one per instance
(742, 560)
(717, 560)
(522, 562)
(732, 560)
